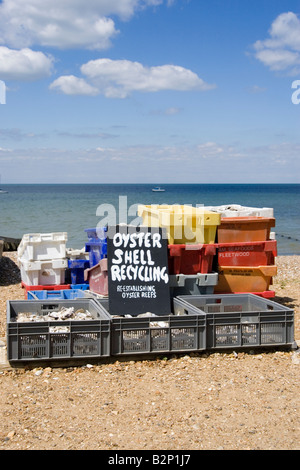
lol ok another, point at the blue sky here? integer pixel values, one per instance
(150, 91)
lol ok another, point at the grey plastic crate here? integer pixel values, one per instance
(241, 320)
(56, 340)
(160, 334)
(192, 284)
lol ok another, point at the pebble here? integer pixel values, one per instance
(296, 357)
(157, 404)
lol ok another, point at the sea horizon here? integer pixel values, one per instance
(74, 207)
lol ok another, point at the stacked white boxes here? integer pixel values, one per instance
(236, 210)
(42, 258)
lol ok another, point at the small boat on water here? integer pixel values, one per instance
(157, 189)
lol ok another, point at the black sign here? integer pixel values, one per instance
(138, 278)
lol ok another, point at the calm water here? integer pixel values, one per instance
(73, 208)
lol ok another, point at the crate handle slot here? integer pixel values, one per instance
(50, 306)
(214, 301)
(53, 293)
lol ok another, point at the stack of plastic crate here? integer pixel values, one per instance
(96, 245)
(96, 274)
(245, 251)
(42, 260)
(78, 261)
(191, 233)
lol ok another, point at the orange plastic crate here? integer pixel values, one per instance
(244, 229)
(245, 278)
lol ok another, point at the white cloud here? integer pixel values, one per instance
(64, 23)
(129, 164)
(256, 89)
(212, 150)
(172, 111)
(71, 85)
(25, 64)
(281, 51)
(118, 78)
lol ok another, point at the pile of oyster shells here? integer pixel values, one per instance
(65, 313)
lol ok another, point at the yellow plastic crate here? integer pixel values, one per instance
(183, 223)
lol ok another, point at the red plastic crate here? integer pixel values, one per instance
(267, 294)
(42, 287)
(97, 276)
(247, 254)
(191, 259)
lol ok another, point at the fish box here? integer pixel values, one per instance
(55, 294)
(77, 267)
(183, 223)
(42, 246)
(84, 286)
(45, 272)
(45, 287)
(245, 278)
(96, 234)
(236, 210)
(193, 284)
(267, 294)
(244, 229)
(97, 250)
(247, 253)
(191, 258)
(97, 277)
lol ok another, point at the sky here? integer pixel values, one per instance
(149, 91)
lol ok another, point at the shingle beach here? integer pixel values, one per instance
(231, 401)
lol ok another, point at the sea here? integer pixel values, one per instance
(73, 208)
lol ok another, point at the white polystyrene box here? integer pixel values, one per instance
(236, 210)
(43, 246)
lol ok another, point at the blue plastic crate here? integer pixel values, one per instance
(97, 250)
(45, 294)
(77, 267)
(55, 294)
(96, 233)
(80, 286)
(74, 294)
